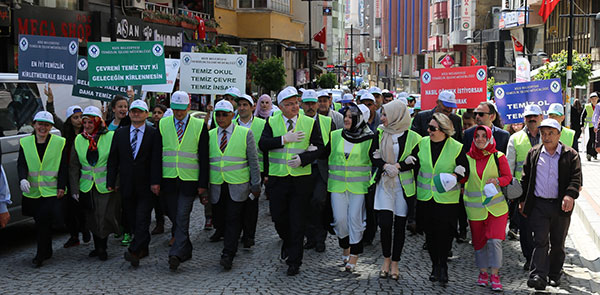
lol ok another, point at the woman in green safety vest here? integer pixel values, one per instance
(349, 178)
(440, 163)
(395, 187)
(42, 169)
(485, 205)
(92, 148)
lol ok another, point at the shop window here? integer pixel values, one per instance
(252, 3)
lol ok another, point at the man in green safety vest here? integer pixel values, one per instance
(256, 125)
(586, 117)
(519, 145)
(556, 111)
(234, 174)
(316, 232)
(184, 170)
(292, 142)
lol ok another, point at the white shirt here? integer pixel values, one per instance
(140, 135)
(287, 125)
(247, 125)
(220, 130)
(391, 198)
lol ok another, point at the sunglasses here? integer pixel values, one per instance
(432, 128)
(481, 114)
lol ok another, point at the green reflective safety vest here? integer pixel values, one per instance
(567, 136)
(522, 147)
(325, 124)
(180, 159)
(91, 175)
(445, 164)
(474, 194)
(42, 174)
(337, 106)
(352, 174)
(257, 127)
(407, 178)
(278, 157)
(589, 112)
(231, 165)
(278, 112)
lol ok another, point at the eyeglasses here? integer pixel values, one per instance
(432, 128)
(481, 114)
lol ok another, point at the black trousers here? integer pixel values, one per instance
(355, 249)
(411, 215)
(550, 227)
(371, 228)
(462, 215)
(525, 236)
(230, 213)
(287, 200)
(393, 233)
(159, 211)
(249, 218)
(315, 230)
(43, 210)
(440, 228)
(513, 214)
(591, 144)
(74, 217)
(138, 209)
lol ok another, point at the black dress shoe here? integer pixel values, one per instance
(102, 255)
(536, 282)
(450, 254)
(435, 274)
(462, 237)
(284, 255)
(93, 253)
(226, 262)
(293, 270)
(86, 237)
(132, 258)
(309, 245)
(443, 274)
(37, 262)
(71, 242)
(554, 282)
(174, 263)
(217, 236)
(320, 247)
(248, 243)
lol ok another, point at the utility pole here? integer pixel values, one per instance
(113, 22)
(310, 69)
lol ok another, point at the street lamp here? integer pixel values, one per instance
(569, 81)
(352, 84)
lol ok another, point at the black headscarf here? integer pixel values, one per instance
(359, 131)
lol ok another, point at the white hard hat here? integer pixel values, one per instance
(92, 111)
(44, 116)
(224, 106)
(180, 100)
(139, 104)
(286, 93)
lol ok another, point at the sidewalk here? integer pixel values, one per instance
(587, 206)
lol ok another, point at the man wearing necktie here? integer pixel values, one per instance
(135, 156)
(234, 174)
(184, 170)
(292, 142)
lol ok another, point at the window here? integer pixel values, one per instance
(281, 5)
(225, 3)
(456, 15)
(18, 104)
(252, 3)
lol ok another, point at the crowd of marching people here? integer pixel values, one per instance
(372, 160)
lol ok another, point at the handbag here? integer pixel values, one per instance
(513, 190)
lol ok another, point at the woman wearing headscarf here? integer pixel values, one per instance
(350, 155)
(486, 207)
(394, 189)
(440, 162)
(75, 216)
(92, 148)
(264, 107)
(42, 170)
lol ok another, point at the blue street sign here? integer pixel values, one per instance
(511, 99)
(48, 59)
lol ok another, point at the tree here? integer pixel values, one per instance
(491, 82)
(268, 74)
(222, 48)
(582, 69)
(327, 81)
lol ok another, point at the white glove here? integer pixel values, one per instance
(25, 186)
(376, 154)
(294, 162)
(460, 170)
(293, 137)
(75, 197)
(410, 160)
(390, 170)
(311, 148)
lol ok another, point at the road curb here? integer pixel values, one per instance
(587, 211)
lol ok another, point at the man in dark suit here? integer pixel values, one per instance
(292, 142)
(184, 171)
(551, 182)
(486, 114)
(445, 104)
(136, 157)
